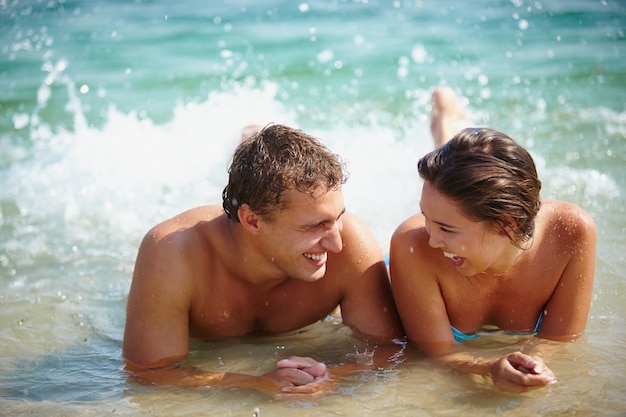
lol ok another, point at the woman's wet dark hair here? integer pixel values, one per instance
(276, 159)
(490, 176)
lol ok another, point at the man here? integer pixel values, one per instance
(281, 254)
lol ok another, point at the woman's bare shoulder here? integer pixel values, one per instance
(567, 220)
(410, 241)
(567, 213)
(411, 231)
(410, 226)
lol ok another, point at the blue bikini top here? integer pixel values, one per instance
(460, 337)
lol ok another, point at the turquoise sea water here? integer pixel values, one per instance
(115, 115)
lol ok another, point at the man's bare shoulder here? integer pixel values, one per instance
(353, 224)
(187, 220)
(356, 235)
(359, 253)
(179, 245)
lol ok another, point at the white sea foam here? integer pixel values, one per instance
(130, 172)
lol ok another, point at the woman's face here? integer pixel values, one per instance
(473, 247)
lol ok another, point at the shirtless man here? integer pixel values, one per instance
(280, 253)
(484, 250)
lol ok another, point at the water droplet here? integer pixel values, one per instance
(523, 24)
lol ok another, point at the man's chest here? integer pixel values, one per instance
(239, 313)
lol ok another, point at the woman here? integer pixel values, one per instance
(486, 251)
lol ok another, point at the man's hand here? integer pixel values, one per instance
(518, 372)
(296, 371)
(301, 377)
(315, 369)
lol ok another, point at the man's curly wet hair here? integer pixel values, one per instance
(274, 160)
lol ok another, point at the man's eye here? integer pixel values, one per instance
(314, 227)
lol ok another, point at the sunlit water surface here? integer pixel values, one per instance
(116, 115)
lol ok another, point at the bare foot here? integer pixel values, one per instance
(250, 130)
(448, 115)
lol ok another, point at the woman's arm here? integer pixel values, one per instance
(421, 306)
(416, 290)
(567, 310)
(514, 372)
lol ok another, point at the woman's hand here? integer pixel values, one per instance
(518, 372)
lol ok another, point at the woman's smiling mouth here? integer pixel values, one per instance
(456, 260)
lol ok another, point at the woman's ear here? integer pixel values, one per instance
(508, 226)
(248, 218)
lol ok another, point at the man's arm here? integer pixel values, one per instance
(157, 314)
(291, 372)
(367, 304)
(156, 338)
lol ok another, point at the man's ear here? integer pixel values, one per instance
(248, 218)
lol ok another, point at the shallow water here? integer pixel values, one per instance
(116, 115)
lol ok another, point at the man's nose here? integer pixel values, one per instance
(332, 242)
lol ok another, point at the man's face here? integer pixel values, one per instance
(297, 239)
